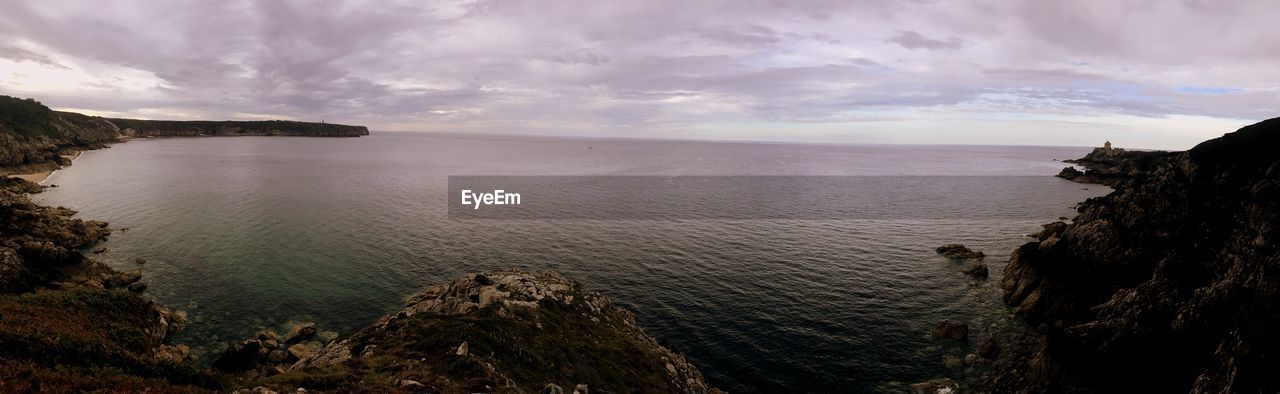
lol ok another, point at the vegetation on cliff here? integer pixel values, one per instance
(33, 137)
(1168, 284)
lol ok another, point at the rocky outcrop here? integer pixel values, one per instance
(1107, 165)
(1168, 284)
(951, 329)
(40, 246)
(35, 138)
(268, 353)
(958, 252)
(510, 331)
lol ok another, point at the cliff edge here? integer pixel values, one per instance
(1171, 283)
(34, 138)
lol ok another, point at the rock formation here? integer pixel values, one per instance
(509, 331)
(1107, 165)
(1168, 284)
(958, 252)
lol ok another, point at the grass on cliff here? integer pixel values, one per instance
(25, 117)
(77, 340)
(553, 343)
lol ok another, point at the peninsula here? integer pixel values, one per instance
(35, 139)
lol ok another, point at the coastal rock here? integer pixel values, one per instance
(137, 287)
(951, 329)
(1107, 165)
(1163, 285)
(988, 348)
(958, 252)
(936, 386)
(299, 333)
(124, 279)
(479, 330)
(1050, 229)
(976, 270)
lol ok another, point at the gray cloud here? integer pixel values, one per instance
(23, 55)
(912, 40)
(613, 68)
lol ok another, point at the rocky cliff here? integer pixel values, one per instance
(1171, 283)
(1107, 165)
(33, 137)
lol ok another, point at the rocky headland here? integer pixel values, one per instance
(34, 138)
(1167, 284)
(1107, 165)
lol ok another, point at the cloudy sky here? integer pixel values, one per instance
(1150, 73)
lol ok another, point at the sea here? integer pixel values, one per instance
(253, 233)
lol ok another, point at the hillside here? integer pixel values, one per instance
(33, 137)
(1168, 284)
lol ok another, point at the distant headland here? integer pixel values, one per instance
(35, 138)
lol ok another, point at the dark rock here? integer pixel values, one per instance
(951, 329)
(988, 348)
(1166, 284)
(958, 252)
(1051, 229)
(140, 260)
(299, 333)
(977, 270)
(239, 357)
(137, 287)
(126, 278)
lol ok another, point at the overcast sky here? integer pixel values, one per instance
(1156, 73)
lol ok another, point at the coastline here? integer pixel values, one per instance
(40, 176)
(122, 341)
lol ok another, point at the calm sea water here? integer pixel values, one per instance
(248, 233)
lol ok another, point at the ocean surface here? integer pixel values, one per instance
(247, 233)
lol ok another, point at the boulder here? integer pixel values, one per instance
(126, 278)
(137, 287)
(958, 252)
(299, 333)
(1051, 229)
(951, 329)
(977, 270)
(989, 349)
(299, 351)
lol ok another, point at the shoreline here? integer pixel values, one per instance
(40, 176)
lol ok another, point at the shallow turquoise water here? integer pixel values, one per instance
(246, 233)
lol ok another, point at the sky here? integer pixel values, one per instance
(1141, 73)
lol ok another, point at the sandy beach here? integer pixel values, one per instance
(38, 177)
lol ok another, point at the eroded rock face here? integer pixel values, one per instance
(513, 331)
(39, 245)
(1166, 284)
